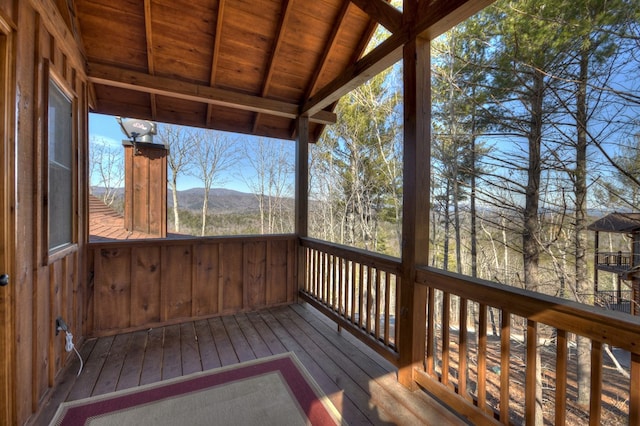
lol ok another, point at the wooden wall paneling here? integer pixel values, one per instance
(77, 305)
(36, 179)
(277, 273)
(7, 242)
(128, 187)
(205, 282)
(89, 296)
(292, 271)
(112, 288)
(176, 281)
(254, 270)
(141, 195)
(57, 288)
(145, 285)
(156, 208)
(231, 265)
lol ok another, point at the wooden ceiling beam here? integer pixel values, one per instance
(150, 56)
(382, 12)
(133, 80)
(322, 63)
(287, 6)
(434, 18)
(215, 55)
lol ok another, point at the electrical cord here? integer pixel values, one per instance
(69, 346)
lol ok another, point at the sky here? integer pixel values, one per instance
(106, 129)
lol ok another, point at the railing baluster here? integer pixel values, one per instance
(505, 353)
(354, 290)
(377, 305)
(446, 315)
(561, 377)
(387, 310)
(463, 350)
(369, 299)
(360, 294)
(482, 358)
(431, 319)
(595, 406)
(340, 286)
(531, 376)
(334, 283)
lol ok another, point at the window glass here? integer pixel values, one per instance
(60, 168)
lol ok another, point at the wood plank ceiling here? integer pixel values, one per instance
(244, 66)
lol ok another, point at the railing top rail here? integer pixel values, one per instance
(614, 253)
(613, 328)
(189, 240)
(375, 260)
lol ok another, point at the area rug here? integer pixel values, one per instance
(276, 390)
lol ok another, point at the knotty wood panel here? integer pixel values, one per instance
(112, 287)
(205, 285)
(278, 261)
(145, 296)
(255, 255)
(175, 294)
(232, 277)
(141, 284)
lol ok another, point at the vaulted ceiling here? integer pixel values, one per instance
(247, 66)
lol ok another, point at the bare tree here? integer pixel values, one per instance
(213, 153)
(180, 141)
(272, 183)
(106, 168)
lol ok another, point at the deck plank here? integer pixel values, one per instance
(208, 351)
(271, 340)
(189, 349)
(152, 363)
(361, 384)
(384, 387)
(132, 367)
(226, 352)
(172, 355)
(257, 344)
(110, 374)
(356, 388)
(238, 340)
(327, 383)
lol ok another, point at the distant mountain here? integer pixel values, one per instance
(221, 200)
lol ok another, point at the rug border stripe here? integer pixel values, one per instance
(303, 388)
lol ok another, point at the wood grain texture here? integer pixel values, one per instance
(142, 284)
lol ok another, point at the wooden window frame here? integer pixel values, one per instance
(53, 254)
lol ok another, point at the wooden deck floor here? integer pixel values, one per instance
(361, 384)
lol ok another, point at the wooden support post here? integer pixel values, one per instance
(415, 217)
(302, 194)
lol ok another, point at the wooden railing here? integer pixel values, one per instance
(488, 344)
(614, 260)
(147, 283)
(357, 289)
(495, 354)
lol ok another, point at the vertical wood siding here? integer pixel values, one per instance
(146, 283)
(44, 286)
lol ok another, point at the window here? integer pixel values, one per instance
(60, 155)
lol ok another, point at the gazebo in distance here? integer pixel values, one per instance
(624, 264)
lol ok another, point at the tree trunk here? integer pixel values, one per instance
(582, 286)
(174, 193)
(205, 204)
(447, 227)
(530, 246)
